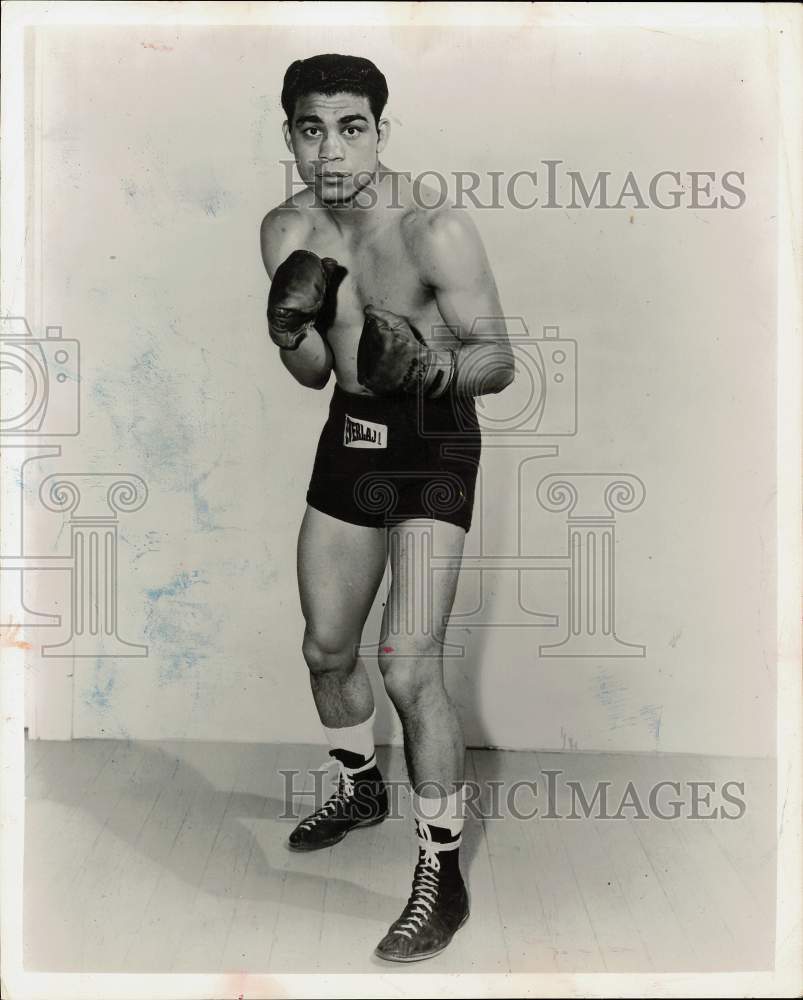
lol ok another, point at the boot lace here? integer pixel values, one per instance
(426, 882)
(343, 792)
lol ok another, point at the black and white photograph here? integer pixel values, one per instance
(401, 554)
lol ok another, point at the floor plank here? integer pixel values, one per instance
(748, 840)
(688, 885)
(106, 893)
(209, 777)
(35, 752)
(598, 885)
(206, 929)
(256, 915)
(744, 915)
(68, 802)
(543, 921)
(624, 864)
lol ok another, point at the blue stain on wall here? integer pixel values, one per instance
(612, 692)
(152, 408)
(158, 423)
(101, 394)
(181, 630)
(175, 644)
(99, 695)
(100, 698)
(151, 542)
(201, 513)
(652, 716)
(178, 585)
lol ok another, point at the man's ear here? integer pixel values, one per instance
(287, 139)
(383, 128)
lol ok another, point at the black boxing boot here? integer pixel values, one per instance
(360, 799)
(438, 903)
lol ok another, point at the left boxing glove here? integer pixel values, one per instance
(393, 357)
(296, 296)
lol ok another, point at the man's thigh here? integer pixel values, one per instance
(421, 596)
(340, 567)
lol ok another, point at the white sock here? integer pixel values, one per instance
(446, 812)
(357, 739)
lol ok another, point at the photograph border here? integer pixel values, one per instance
(782, 26)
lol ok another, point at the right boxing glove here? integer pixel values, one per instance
(296, 297)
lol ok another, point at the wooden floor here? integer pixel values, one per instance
(171, 857)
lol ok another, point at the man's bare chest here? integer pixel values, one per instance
(379, 271)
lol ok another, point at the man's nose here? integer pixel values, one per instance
(331, 148)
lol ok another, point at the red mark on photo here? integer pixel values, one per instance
(8, 638)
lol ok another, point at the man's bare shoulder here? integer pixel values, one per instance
(284, 228)
(440, 233)
(429, 217)
(440, 222)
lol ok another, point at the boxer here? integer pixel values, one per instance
(399, 302)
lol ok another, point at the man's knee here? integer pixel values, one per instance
(328, 653)
(410, 670)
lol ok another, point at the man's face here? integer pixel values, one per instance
(335, 143)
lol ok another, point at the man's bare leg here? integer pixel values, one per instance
(411, 660)
(340, 566)
(411, 654)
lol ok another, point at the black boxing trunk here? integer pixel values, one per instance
(383, 460)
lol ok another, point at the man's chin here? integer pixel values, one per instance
(332, 196)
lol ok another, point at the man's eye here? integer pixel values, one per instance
(351, 131)
(312, 132)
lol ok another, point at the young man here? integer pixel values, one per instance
(363, 278)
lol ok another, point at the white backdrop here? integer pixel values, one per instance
(153, 156)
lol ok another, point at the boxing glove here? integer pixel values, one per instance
(392, 357)
(296, 296)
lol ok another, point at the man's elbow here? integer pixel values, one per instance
(312, 380)
(501, 377)
(316, 380)
(508, 376)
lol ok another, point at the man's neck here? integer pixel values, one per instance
(370, 207)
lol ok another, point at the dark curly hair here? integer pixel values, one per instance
(334, 74)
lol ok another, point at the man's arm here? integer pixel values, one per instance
(453, 262)
(312, 361)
